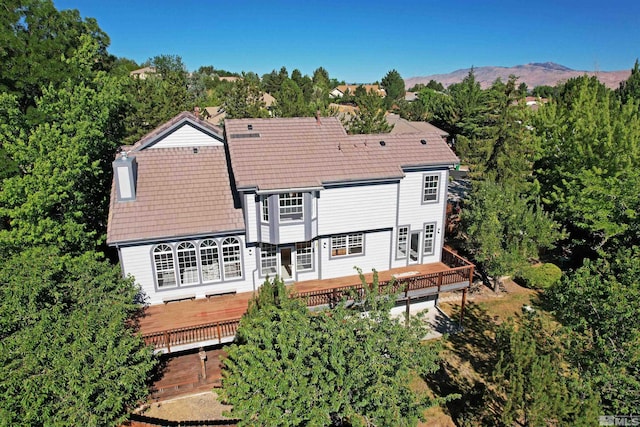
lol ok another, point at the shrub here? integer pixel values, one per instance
(540, 276)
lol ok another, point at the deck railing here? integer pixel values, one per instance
(215, 331)
(460, 271)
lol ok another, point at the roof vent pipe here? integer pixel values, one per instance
(423, 141)
(382, 143)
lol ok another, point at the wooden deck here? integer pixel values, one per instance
(190, 324)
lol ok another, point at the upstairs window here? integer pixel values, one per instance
(187, 263)
(165, 268)
(291, 206)
(430, 188)
(265, 208)
(347, 244)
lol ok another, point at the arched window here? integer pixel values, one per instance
(231, 259)
(187, 263)
(210, 259)
(165, 268)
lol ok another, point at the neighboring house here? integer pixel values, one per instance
(195, 213)
(410, 96)
(341, 90)
(403, 126)
(534, 102)
(142, 73)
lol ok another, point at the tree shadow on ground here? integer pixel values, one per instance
(467, 369)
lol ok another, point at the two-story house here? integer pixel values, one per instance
(196, 213)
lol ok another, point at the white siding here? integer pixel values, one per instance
(376, 255)
(291, 233)
(411, 210)
(137, 261)
(186, 136)
(251, 208)
(266, 233)
(348, 209)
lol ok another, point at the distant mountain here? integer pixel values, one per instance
(534, 74)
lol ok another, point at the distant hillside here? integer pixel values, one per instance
(534, 74)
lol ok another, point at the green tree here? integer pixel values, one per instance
(36, 42)
(59, 196)
(321, 78)
(588, 170)
(69, 354)
(535, 385)
(630, 88)
(544, 91)
(244, 100)
(503, 228)
(599, 305)
(159, 97)
(370, 116)
(513, 146)
(292, 367)
(290, 101)
(393, 84)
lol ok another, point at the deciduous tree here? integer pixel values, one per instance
(292, 367)
(504, 229)
(599, 305)
(69, 354)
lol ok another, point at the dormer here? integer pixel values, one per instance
(125, 173)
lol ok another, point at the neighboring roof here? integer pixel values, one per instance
(215, 115)
(143, 72)
(403, 126)
(179, 193)
(181, 119)
(268, 99)
(410, 96)
(229, 78)
(279, 154)
(369, 88)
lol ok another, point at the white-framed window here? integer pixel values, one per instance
(268, 259)
(304, 256)
(165, 268)
(291, 206)
(231, 259)
(429, 238)
(401, 249)
(347, 244)
(430, 188)
(265, 208)
(210, 260)
(187, 263)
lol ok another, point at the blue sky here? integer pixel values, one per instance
(360, 41)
